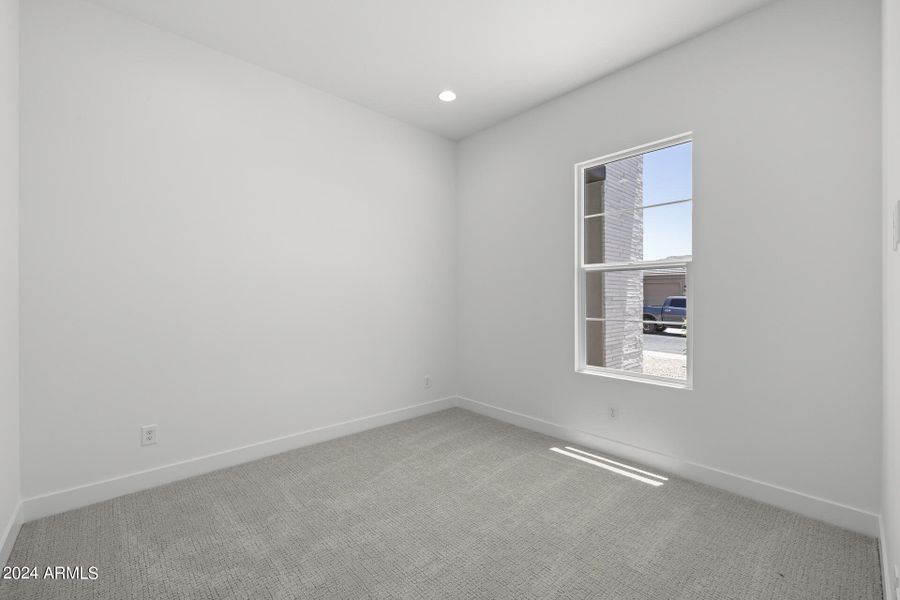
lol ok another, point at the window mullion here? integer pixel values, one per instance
(635, 265)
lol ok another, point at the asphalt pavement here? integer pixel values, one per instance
(666, 341)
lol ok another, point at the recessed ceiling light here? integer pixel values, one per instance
(447, 96)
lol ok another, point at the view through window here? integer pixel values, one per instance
(634, 262)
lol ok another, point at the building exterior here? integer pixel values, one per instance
(615, 190)
(660, 284)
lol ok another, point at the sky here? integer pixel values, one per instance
(667, 176)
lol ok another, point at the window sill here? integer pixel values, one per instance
(640, 378)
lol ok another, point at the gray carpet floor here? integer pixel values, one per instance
(449, 505)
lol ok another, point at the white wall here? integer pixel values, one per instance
(784, 106)
(9, 267)
(215, 249)
(236, 257)
(891, 178)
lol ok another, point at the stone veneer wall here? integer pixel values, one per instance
(621, 231)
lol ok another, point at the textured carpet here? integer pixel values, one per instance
(450, 505)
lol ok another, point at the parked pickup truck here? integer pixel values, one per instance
(670, 313)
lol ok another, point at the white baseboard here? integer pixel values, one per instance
(9, 534)
(818, 508)
(887, 578)
(848, 517)
(59, 501)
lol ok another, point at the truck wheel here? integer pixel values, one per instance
(650, 327)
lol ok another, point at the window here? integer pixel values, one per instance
(634, 263)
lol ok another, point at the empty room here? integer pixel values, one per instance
(408, 299)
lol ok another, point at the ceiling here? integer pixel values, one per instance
(394, 56)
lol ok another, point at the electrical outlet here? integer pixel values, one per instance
(613, 412)
(148, 435)
(427, 381)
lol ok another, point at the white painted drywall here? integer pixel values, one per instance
(216, 249)
(891, 179)
(784, 104)
(9, 266)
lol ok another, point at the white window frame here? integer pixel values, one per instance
(581, 269)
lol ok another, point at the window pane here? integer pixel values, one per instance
(619, 226)
(594, 250)
(667, 231)
(594, 186)
(635, 321)
(667, 174)
(627, 348)
(654, 233)
(637, 295)
(615, 190)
